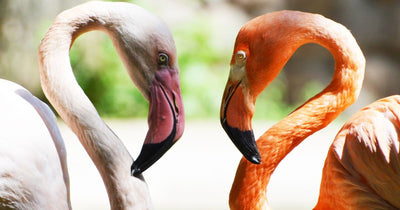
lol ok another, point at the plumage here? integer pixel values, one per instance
(146, 47)
(32, 154)
(362, 167)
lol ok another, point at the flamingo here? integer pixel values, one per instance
(146, 47)
(362, 168)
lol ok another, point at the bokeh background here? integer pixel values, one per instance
(204, 32)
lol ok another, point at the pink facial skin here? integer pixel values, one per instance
(166, 107)
(166, 119)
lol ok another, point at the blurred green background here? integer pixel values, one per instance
(204, 33)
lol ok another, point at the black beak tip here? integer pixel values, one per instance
(256, 159)
(244, 141)
(149, 155)
(135, 170)
(251, 153)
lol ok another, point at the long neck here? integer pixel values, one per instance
(59, 84)
(250, 185)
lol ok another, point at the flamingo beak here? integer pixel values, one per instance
(166, 119)
(236, 113)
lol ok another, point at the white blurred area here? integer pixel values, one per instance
(198, 171)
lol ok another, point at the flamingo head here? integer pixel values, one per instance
(237, 109)
(166, 114)
(149, 55)
(259, 54)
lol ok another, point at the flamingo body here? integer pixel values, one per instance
(33, 163)
(362, 168)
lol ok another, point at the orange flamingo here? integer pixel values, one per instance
(362, 169)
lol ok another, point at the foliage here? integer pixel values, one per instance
(102, 76)
(201, 77)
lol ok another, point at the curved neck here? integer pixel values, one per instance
(312, 116)
(59, 84)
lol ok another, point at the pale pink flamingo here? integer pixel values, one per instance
(146, 47)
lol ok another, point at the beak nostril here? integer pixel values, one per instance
(175, 104)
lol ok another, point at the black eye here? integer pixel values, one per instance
(163, 59)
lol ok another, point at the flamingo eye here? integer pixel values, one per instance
(163, 59)
(240, 56)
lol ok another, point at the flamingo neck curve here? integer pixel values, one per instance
(61, 88)
(249, 189)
